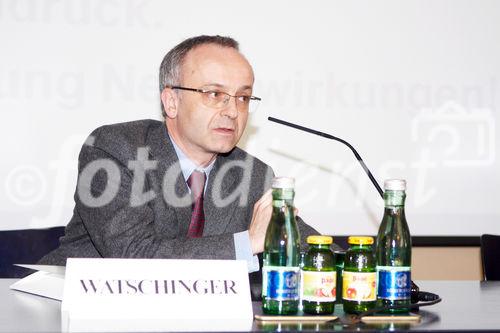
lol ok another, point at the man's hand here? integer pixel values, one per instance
(262, 211)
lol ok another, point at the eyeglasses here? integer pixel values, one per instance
(219, 99)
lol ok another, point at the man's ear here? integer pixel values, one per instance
(169, 100)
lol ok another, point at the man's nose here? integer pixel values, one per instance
(231, 108)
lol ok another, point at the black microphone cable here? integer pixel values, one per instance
(425, 299)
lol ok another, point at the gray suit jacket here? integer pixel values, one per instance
(158, 228)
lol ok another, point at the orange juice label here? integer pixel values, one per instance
(359, 286)
(318, 286)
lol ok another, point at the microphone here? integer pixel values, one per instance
(331, 137)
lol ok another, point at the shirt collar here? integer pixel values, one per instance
(188, 166)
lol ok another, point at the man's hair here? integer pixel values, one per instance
(170, 68)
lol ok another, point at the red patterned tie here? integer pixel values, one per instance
(196, 183)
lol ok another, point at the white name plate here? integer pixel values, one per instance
(117, 295)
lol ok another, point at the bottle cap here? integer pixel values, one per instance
(320, 240)
(395, 185)
(283, 182)
(361, 240)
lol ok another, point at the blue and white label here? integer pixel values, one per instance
(394, 283)
(280, 283)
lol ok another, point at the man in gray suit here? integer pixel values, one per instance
(133, 199)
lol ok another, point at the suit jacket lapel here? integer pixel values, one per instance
(170, 178)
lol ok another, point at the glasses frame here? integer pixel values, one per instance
(204, 91)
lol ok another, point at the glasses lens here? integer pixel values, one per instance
(219, 100)
(215, 99)
(253, 105)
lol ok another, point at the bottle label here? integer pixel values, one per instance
(280, 283)
(319, 286)
(394, 283)
(359, 286)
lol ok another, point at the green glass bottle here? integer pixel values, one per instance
(359, 284)
(393, 250)
(319, 277)
(280, 271)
